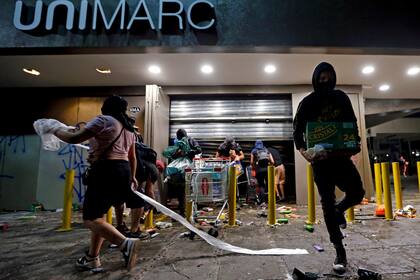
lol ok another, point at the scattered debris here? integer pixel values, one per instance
(4, 226)
(318, 248)
(365, 201)
(250, 224)
(365, 274)
(380, 211)
(409, 212)
(283, 221)
(299, 275)
(309, 228)
(162, 225)
(31, 217)
(208, 209)
(262, 215)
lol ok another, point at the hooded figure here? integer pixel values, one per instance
(195, 148)
(228, 145)
(259, 145)
(326, 104)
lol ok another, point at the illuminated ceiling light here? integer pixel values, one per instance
(384, 87)
(31, 71)
(207, 69)
(368, 70)
(413, 71)
(154, 69)
(103, 71)
(270, 69)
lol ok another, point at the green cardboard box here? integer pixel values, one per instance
(333, 136)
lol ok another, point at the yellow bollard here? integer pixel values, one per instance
(311, 195)
(148, 224)
(188, 211)
(397, 185)
(387, 191)
(109, 216)
(232, 196)
(350, 215)
(378, 184)
(271, 197)
(68, 199)
(418, 173)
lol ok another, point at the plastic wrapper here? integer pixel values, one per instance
(177, 166)
(46, 128)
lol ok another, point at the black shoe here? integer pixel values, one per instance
(123, 229)
(130, 251)
(341, 219)
(89, 263)
(340, 261)
(139, 235)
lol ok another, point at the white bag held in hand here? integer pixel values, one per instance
(45, 128)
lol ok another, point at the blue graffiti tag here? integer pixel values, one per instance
(75, 161)
(17, 144)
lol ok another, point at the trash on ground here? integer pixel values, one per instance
(365, 201)
(208, 209)
(283, 221)
(162, 225)
(380, 211)
(250, 224)
(309, 228)
(365, 274)
(318, 248)
(300, 275)
(27, 218)
(409, 212)
(4, 226)
(262, 215)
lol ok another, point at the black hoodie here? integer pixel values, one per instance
(325, 104)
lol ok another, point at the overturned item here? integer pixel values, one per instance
(218, 243)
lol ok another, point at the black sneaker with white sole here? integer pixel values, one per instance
(340, 262)
(89, 263)
(129, 252)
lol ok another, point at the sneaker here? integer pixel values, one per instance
(340, 261)
(123, 229)
(129, 252)
(341, 219)
(139, 235)
(88, 263)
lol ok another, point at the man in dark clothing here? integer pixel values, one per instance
(326, 104)
(230, 149)
(194, 146)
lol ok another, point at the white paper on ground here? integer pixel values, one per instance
(216, 242)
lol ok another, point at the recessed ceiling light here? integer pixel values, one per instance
(31, 71)
(154, 69)
(413, 71)
(384, 87)
(207, 69)
(103, 70)
(368, 70)
(270, 69)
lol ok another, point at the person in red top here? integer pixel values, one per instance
(113, 165)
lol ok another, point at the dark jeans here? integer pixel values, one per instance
(343, 174)
(262, 178)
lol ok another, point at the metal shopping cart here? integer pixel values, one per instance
(206, 181)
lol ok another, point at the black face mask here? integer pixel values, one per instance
(325, 86)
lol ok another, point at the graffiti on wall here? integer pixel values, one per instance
(15, 144)
(74, 157)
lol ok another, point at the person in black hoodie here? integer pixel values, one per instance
(326, 104)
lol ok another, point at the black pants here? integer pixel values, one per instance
(262, 178)
(343, 174)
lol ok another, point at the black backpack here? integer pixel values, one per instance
(263, 157)
(145, 153)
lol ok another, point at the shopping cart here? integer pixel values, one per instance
(206, 181)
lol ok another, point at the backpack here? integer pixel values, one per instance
(263, 157)
(145, 153)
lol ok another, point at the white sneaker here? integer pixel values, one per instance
(129, 252)
(88, 263)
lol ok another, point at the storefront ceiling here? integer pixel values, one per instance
(229, 69)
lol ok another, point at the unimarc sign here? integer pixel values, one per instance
(93, 14)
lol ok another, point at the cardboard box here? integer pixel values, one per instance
(333, 136)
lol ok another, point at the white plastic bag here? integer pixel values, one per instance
(45, 128)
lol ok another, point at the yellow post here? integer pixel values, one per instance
(68, 199)
(149, 220)
(378, 184)
(109, 216)
(387, 191)
(350, 215)
(271, 197)
(188, 210)
(397, 184)
(418, 173)
(311, 195)
(232, 196)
